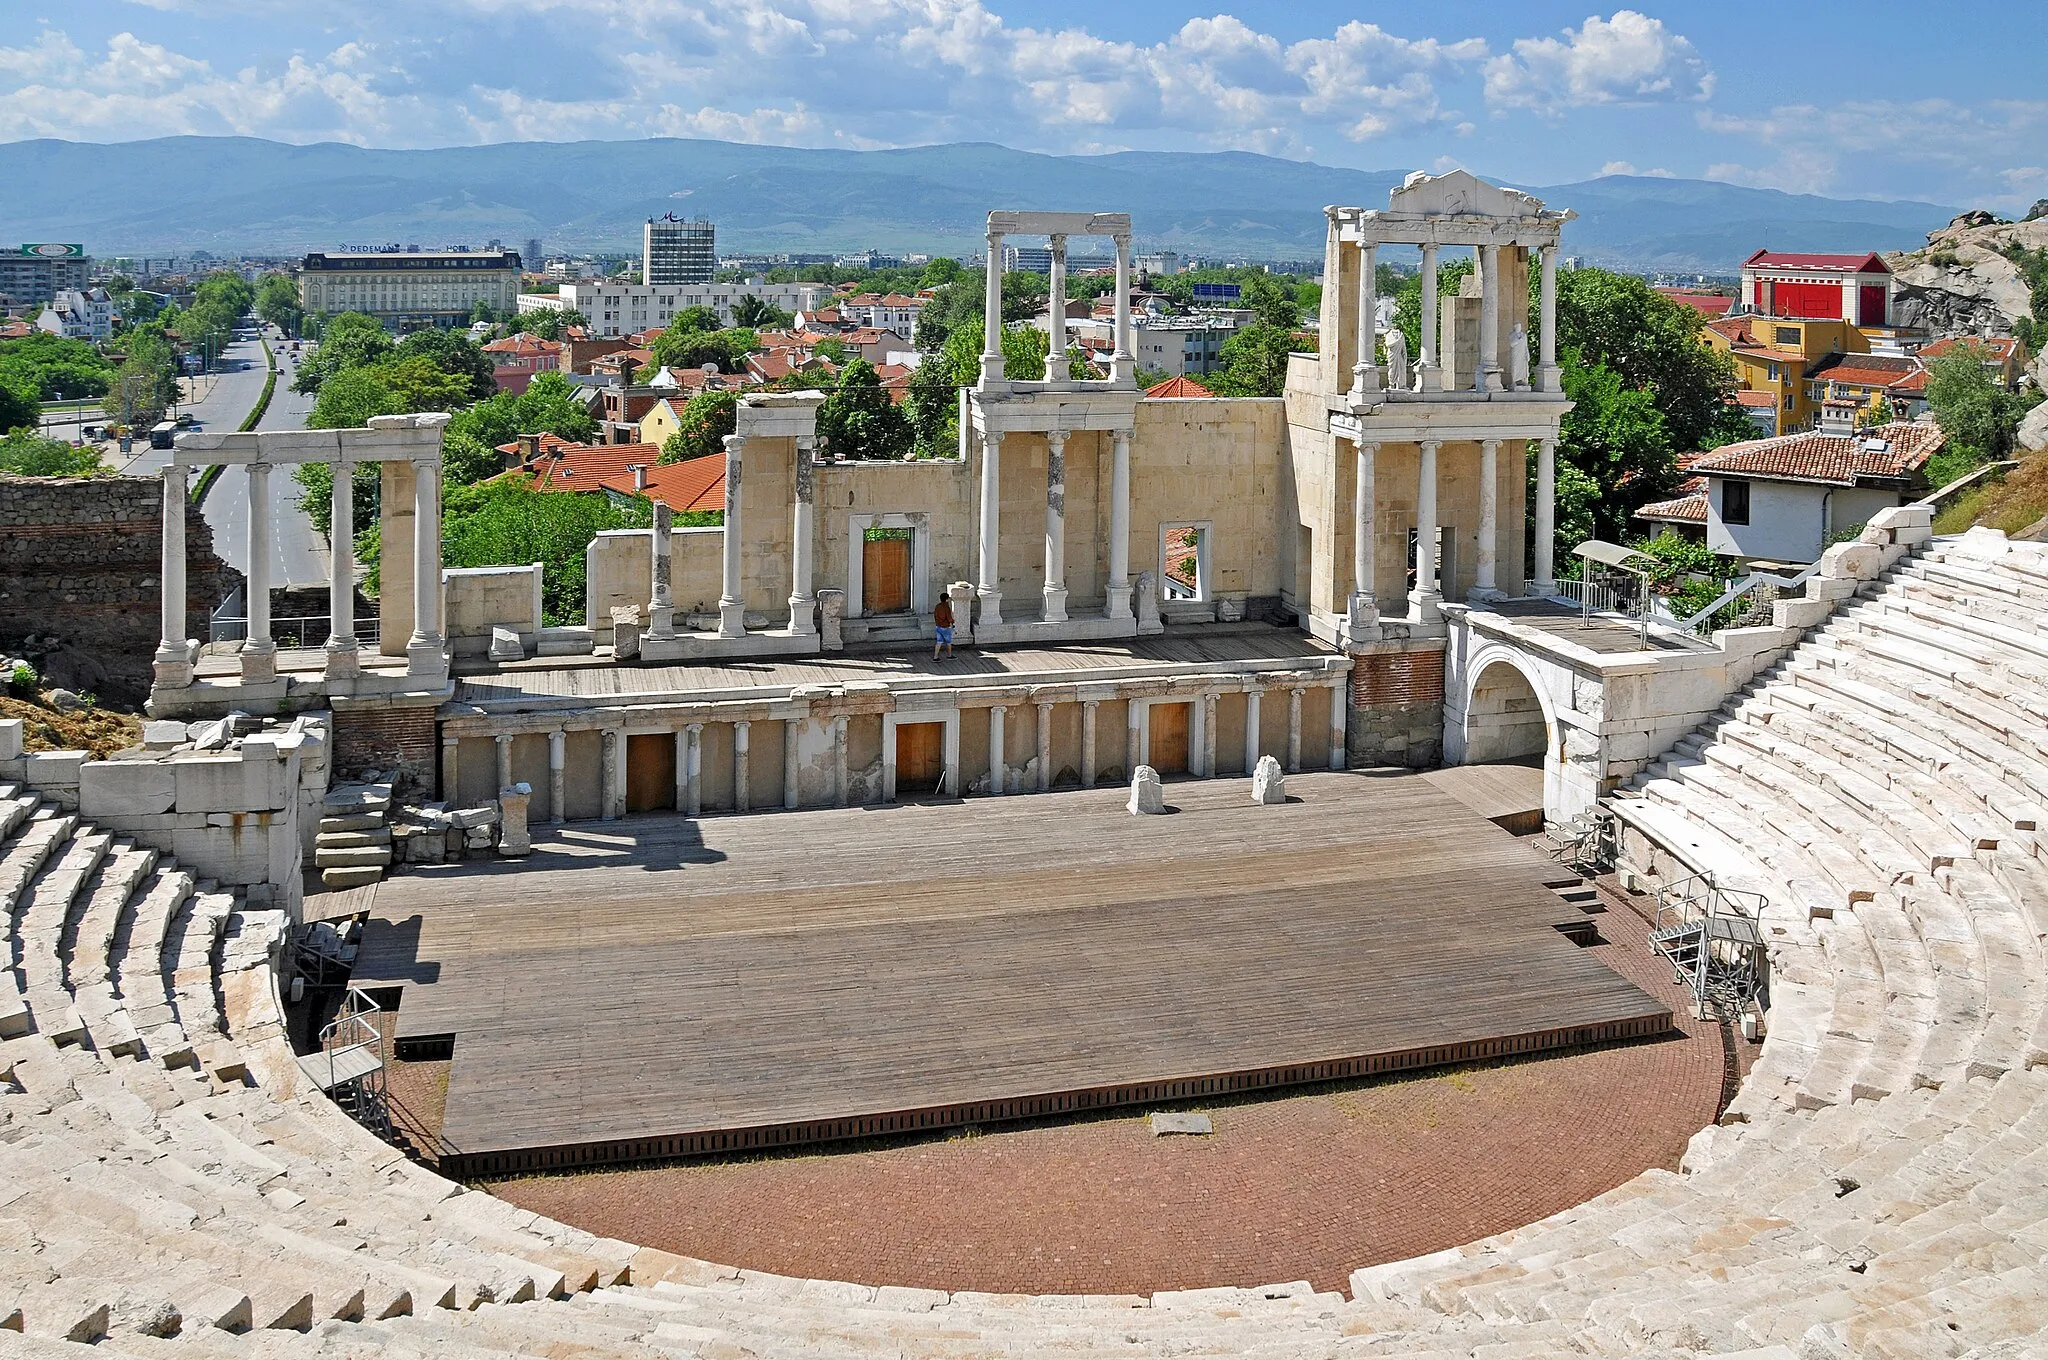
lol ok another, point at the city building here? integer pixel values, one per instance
(1160, 262)
(517, 358)
(612, 307)
(1852, 288)
(674, 251)
(409, 289)
(40, 270)
(893, 311)
(2005, 357)
(1781, 501)
(79, 315)
(1772, 355)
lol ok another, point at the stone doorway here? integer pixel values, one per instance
(650, 771)
(1504, 722)
(920, 757)
(1167, 749)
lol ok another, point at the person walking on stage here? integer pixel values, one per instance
(942, 628)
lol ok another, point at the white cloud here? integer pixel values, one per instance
(1628, 168)
(1628, 59)
(1952, 150)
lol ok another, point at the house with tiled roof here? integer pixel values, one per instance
(2005, 357)
(1177, 389)
(1772, 354)
(1685, 514)
(1706, 304)
(517, 358)
(557, 464)
(1783, 500)
(693, 485)
(1819, 287)
(1860, 379)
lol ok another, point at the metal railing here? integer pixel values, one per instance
(1592, 597)
(310, 631)
(354, 1030)
(1703, 621)
(1713, 939)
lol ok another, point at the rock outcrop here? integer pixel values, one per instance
(1962, 282)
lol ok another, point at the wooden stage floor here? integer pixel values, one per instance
(660, 986)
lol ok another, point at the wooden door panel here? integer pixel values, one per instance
(650, 772)
(885, 576)
(920, 756)
(1168, 751)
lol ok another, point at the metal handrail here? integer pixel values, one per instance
(1698, 892)
(310, 630)
(1741, 588)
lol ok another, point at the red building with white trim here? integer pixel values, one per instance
(1852, 288)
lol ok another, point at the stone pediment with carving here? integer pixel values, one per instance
(1459, 193)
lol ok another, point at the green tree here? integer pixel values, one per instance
(417, 383)
(1654, 344)
(549, 324)
(858, 420)
(932, 407)
(696, 319)
(1978, 417)
(1254, 362)
(18, 409)
(829, 349)
(456, 355)
(702, 425)
(350, 340)
(349, 398)
(147, 382)
(52, 368)
(277, 301)
(508, 523)
(679, 347)
(466, 460)
(756, 314)
(547, 406)
(1616, 436)
(25, 454)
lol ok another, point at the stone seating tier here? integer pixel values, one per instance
(1876, 1188)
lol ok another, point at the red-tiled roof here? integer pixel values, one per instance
(523, 345)
(1863, 370)
(1996, 348)
(1894, 450)
(1707, 304)
(1760, 400)
(693, 484)
(1688, 507)
(1177, 387)
(565, 466)
(1817, 263)
(1734, 329)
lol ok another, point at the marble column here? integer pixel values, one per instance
(608, 776)
(1547, 372)
(1055, 610)
(1489, 519)
(732, 606)
(451, 770)
(1425, 597)
(558, 768)
(343, 663)
(1056, 341)
(992, 313)
(1487, 370)
(1119, 590)
(661, 606)
(1208, 736)
(1427, 370)
(693, 769)
(1294, 729)
(1044, 735)
(1365, 608)
(1251, 729)
(503, 741)
(803, 599)
(1546, 518)
(998, 770)
(740, 747)
(1088, 743)
(683, 742)
(1123, 365)
(1365, 374)
(839, 780)
(990, 588)
(791, 770)
(259, 650)
(425, 654)
(1340, 702)
(173, 660)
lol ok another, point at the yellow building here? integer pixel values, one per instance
(1772, 355)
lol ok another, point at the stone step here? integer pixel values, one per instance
(352, 857)
(351, 840)
(353, 877)
(361, 821)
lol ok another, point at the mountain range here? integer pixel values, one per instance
(243, 194)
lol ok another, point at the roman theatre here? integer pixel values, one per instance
(1299, 920)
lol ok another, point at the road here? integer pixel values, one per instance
(222, 402)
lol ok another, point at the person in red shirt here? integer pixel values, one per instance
(942, 628)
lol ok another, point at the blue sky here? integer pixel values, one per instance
(1879, 99)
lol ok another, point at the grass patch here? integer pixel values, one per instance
(2009, 505)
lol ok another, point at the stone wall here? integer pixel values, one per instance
(80, 560)
(1397, 705)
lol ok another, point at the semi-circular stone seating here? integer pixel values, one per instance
(1879, 1186)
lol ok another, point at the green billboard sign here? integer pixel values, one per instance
(53, 250)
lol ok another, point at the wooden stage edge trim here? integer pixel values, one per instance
(627, 1151)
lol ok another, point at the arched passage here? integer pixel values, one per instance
(1504, 717)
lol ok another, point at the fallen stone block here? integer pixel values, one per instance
(1148, 796)
(1170, 1122)
(1269, 784)
(505, 645)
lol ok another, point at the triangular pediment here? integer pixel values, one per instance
(1460, 193)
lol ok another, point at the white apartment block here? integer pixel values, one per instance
(76, 315)
(616, 308)
(407, 289)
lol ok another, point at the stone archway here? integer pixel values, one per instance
(1505, 716)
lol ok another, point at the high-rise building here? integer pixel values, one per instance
(38, 272)
(673, 251)
(532, 258)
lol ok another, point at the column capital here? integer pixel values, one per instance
(1123, 241)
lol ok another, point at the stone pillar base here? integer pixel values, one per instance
(425, 659)
(732, 619)
(1055, 604)
(259, 662)
(1485, 595)
(661, 622)
(1123, 370)
(172, 664)
(1362, 619)
(801, 607)
(1430, 378)
(1119, 602)
(343, 660)
(1539, 590)
(1550, 380)
(991, 613)
(1425, 607)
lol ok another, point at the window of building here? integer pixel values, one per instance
(1734, 502)
(1787, 335)
(1184, 561)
